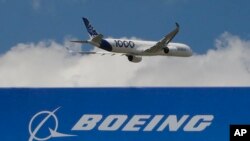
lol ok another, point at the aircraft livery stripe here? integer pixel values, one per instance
(106, 45)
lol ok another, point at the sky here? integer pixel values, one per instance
(34, 34)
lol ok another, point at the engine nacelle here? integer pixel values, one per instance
(166, 50)
(135, 59)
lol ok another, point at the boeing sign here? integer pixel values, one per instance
(88, 122)
(53, 130)
(87, 114)
(142, 122)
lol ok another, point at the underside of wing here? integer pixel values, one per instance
(100, 53)
(92, 52)
(131, 57)
(168, 38)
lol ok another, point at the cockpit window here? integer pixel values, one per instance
(181, 49)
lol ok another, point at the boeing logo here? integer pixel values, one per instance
(53, 131)
(123, 123)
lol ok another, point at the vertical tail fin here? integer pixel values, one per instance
(92, 32)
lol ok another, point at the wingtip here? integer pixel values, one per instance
(177, 25)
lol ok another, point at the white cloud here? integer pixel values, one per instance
(47, 64)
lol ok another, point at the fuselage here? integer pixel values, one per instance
(138, 47)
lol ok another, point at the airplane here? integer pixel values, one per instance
(134, 49)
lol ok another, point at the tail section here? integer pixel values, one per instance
(92, 32)
(96, 38)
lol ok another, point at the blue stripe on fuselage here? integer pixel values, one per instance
(106, 45)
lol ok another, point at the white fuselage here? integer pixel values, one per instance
(138, 47)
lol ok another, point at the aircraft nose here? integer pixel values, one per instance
(190, 52)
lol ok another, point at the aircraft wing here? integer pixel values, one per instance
(92, 52)
(168, 38)
(100, 53)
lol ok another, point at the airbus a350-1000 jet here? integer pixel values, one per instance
(135, 49)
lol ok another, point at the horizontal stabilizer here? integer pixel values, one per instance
(82, 42)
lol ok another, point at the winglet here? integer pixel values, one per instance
(177, 25)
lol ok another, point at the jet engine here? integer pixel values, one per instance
(166, 50)
(135, 59)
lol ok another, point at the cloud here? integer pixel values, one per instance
(48, 64)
